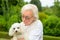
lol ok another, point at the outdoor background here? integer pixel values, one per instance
(10, 12)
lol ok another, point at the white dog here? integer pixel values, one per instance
(15, 31)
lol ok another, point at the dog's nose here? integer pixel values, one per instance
(16, 31)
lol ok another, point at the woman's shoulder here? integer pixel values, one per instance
(38, 22)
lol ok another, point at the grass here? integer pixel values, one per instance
(5, 36)
(4, 39)
(51, 38)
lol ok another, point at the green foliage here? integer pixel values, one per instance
(16, 2)
(1, 12)
(58, 25)
(42, 16)
(52, 23)
(53, 10)
(14, 10)
(56, 8)
(51, 26)
(48, 11)
(13, 2)
(13, 19)
(2, 24)
(10, 13)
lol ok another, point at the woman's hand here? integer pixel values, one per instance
(17, 39)
(20, 38)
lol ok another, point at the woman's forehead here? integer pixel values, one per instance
(27, 13)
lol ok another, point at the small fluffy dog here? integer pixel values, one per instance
(15, 31)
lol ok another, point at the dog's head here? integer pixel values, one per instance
(15, 29)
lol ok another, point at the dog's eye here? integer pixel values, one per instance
(14, 28)
(17, 27)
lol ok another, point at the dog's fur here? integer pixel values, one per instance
(15, 31)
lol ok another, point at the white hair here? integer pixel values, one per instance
(31, 7)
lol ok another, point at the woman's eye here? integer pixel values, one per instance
(27, 17)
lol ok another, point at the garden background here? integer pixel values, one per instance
(10, 12)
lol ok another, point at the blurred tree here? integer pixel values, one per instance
(56, 8)
(16, 2)
(37, 3)
(8, 8)
(1, 11)
(12, 2)
(5, 7)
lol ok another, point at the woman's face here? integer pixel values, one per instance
(27, 17)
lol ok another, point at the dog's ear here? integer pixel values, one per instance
(11, 31)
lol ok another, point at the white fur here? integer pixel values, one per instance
(12, 32)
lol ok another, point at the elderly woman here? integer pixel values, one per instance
(31, 24)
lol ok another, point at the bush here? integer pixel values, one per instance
(42, 16)
(51, 26)
(57, 33)
(10, 17)
(49, 11)
(13, 19)
(2, 24)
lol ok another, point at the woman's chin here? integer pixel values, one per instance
(27, 24)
